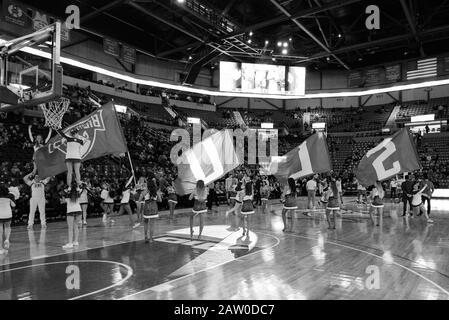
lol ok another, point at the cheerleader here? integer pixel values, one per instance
(73, 156)
(377, 206)
(232, 193)
(172, 200)
(247, 207)
(325, 196)
(288, 197)
(125, 194)
(200, 195)
(140, 191)
(74, 213)
(152, 197)
(6, 205)
(38, 143)
(417, 204)
(107, 202)
(238, 199)
(84, 201)
(265, 195)
(333, 204)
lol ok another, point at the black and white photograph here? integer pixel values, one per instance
(224, 158)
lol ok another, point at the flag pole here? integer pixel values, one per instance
(132, 167)
(123, 137)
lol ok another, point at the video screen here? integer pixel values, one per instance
(262, 78)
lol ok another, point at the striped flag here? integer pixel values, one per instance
(309, 158)
(394, 155)
(208, 160)
(422, 69)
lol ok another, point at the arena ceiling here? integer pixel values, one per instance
(321, 34)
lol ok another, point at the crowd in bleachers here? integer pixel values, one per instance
(149, 147)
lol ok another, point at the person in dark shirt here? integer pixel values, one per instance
(257, 187)
(407, 188)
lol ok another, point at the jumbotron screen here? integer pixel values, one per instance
(262, 78)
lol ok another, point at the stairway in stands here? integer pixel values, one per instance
(238, 118)
(391, 122)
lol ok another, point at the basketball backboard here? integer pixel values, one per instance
(31, 72)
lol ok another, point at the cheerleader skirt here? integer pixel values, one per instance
(151, 211)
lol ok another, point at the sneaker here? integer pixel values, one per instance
(85, 222)
(76, 244)
(429, 221)
(6, 244)
(68, 246)
(105, 218)
(30, 227)
(136, 225)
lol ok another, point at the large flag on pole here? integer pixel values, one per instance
(394, 155)
(102, 132)
(309, 158)
(208, 160)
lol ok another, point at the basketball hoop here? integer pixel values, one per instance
(54, 112)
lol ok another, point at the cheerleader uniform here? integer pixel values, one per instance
(325, 197)
(138, 196)
(247, 206)
(290, 201)
(151, 210)
(74, 207)
(199, 206)
(172, 197)
(377, 201)
(83, 196)
(107, 199)
(5, 210)
(264, 194)
(73, 148)
(333, 203)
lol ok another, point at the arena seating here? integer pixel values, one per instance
(439, 107)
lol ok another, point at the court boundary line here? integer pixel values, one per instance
(278, 241)
(129, 274)
(377, 256)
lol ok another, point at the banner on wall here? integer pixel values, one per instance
(15, 13)
(111, 47)
(128, 54)
(30, 18)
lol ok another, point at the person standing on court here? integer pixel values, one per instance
(407, 191)
(393, 187)
(427, 193)
(37, 200)
(311, 187)
(257, 195)
(228, 185)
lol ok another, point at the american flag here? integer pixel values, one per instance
(422, 69)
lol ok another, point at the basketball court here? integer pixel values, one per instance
(311, 262)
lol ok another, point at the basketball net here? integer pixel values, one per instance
(54, 112)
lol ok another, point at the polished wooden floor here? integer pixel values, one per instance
(403, 259)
